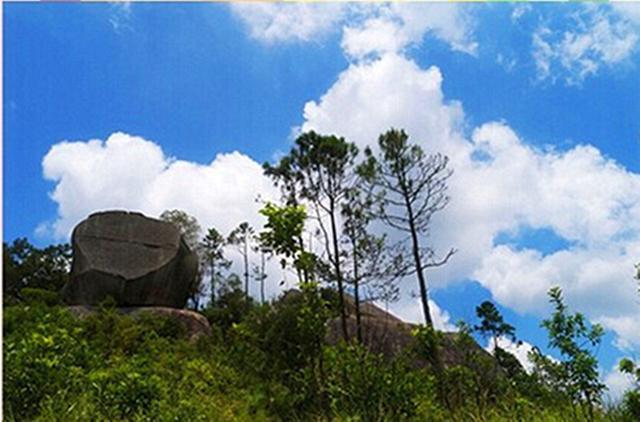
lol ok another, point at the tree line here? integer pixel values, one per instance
(349, 222)
(331, 196)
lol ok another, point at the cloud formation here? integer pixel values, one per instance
(503, 185)
(367, 29)
(599, 36)
(394, 27)
(285, 22)
(130, 172)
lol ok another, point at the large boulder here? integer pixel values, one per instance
(138, 261)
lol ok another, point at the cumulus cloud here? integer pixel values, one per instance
(130, 172)
(397, 26)
(598, 36)
(367, 28)
(502, 185)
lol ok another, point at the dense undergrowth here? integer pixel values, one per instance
(267, 362)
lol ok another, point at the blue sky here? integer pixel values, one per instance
(184, 101)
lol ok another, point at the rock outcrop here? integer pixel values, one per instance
(136, 260)
(386, 334)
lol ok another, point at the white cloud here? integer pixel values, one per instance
(412, 311)
(582, 196)
(367, 28)
(627, 9)
(579, 194)
(397, 26)
(133, 173)
(617, 383)
(598, 36)
(627, 328)
(520, 350)
(282, 22)
(120, 15)
(376, 35)
(519, 11)
(129, 172)
(377, 95)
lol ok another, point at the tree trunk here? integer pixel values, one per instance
(356, 293)
(262, 277)
(213, 282)
(336, 255)
(246, 267)
(424, 298)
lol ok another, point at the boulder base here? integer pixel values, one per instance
(195, 324)
(138, 261)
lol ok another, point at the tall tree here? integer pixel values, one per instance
(259, 270)
(242, 237)
(412, 187)
(492, 325)
(319, 169)
(212, 247)
(191, 232)
(373, 263)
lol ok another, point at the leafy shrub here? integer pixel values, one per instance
(46, 297)
(111, 367)
(48, 357)
(125, 389)
(362, 384)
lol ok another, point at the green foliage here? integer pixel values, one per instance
(126, 388)
(230, 306)
(365, 386)
(273, 364)
(428, 343)
(30, 294)
(26, 266)
(320, 170)
(190, 230)
(577, 374)
(187, 225)
(283, 228)
(316, 167)
(212, 247)
(411, 186)
(43, 353)
(631, 399)
(492, 324)
(109, 366)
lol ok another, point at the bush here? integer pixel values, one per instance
(364, 385)
(46, 297)
(126, 388)
(113, 367)
(50, 356)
